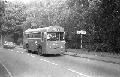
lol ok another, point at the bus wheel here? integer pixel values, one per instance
(39, 50)
(27, 48)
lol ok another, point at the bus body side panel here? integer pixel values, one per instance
(33, 43)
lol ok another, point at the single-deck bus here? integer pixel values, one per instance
(47, 40)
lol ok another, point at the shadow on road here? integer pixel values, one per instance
(52, 55)
(47, 55)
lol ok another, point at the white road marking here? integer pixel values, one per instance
(17, 51)
(48, 62)
(81, 74)
(32, 56)
(88, 59)
(11, 50)
(7, 70)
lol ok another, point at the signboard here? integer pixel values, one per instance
(81, 32)
(33, 24)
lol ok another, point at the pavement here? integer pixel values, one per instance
(114, 60)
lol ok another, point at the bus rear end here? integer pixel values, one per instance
(55, 43)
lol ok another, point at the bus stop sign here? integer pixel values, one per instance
(81, 32)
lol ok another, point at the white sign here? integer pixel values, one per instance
(78, 32)
(33, 24)
(81, 32)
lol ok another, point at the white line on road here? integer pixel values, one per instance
(11, 50)
(81, 74)
(88, 59)
(17, 51)
(48, 62)
(7, 70)
(32, 56)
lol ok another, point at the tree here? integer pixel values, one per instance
(107, 24)
(2, 10)
(2, 13)
(13, 15)
(71, 14)
(47, 13)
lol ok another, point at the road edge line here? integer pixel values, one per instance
(10, 74)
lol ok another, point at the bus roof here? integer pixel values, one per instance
(46, 29)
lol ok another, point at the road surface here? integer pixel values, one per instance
(18, 63)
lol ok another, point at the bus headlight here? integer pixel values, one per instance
(53, 43)
(36, 43)
(61, 46)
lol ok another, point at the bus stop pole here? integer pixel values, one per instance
(1, 40)
(81, 41)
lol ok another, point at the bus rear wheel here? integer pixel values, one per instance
(39, 50)
(27, 48)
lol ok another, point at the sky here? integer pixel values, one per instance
(24, 1)
(28, 1)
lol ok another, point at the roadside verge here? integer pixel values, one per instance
(95, 56)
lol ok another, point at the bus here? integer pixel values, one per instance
(47, 40)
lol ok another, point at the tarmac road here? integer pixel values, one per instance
(22, 64)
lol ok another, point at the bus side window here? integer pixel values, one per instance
(32, 35)
(27, 35)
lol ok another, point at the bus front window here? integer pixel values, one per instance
(55, 36)
(51, 36)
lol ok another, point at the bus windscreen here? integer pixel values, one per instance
(55, 36)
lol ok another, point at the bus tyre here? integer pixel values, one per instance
(39, 50)
(27, 48)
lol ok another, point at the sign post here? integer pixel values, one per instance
(1, 40)
(81, 32)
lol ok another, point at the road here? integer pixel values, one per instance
(18, 63)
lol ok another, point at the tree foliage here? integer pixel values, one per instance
(2, 10)
(14, 15)
(107, 24)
